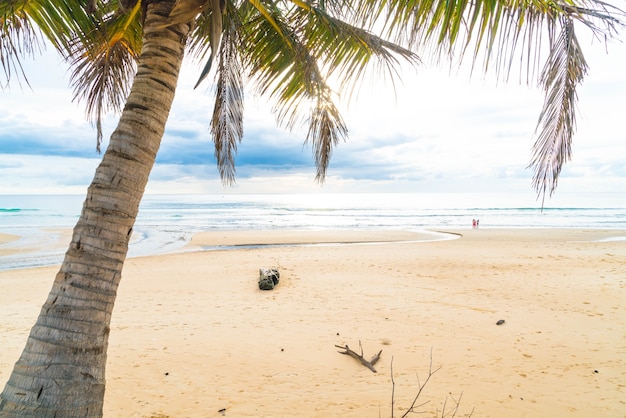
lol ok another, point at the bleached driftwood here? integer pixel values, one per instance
(359, 357)
(268, 278)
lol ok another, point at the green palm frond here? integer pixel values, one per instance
(103, 65)
(268, 52)
(347, 50)
(287, 72)
(59, 21)
(208, 16)
(341, 9)
(234, 14)
(285, 68)
(101, 46)
(56, 21)
(227, 121)
(200, 37)
(18, 40)
(493, 30)
(499, 32)
(564, 70)
(292, 55)
(268, 13)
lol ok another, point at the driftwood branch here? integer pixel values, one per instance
(359, 357)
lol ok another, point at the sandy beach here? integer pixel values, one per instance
(193, 336)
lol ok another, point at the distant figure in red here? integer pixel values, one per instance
(474, 223)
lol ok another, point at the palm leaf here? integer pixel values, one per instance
(326, 130)
(227, 121)
(103, 65)
(101, 46)
(285, 68)
(346, 50)
(60, 21)
(292, 56)
(18, 40)
(495, 32)
(57, 21)
(277, 61)
(268, 13)
(500, 32)
(564, 70)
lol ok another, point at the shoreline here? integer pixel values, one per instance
(23, 252)
(5, 239)
(16, 251)
(192, 334)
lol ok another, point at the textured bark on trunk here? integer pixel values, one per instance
(61, 372)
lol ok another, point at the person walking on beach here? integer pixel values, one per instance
(474, 224)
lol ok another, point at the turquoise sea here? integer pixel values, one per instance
(167, 222)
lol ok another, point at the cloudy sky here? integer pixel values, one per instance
(439, 132)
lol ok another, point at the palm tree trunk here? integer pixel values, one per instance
(61, 372)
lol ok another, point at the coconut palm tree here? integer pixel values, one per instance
(126, 55)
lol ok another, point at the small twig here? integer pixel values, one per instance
(393, 387)
(431, 372)
(455, 410)
(412, 409)
(456, 406)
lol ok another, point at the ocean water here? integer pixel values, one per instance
(167, 222)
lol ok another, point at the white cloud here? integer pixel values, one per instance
(34, 174)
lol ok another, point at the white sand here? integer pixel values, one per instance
(192, 333)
